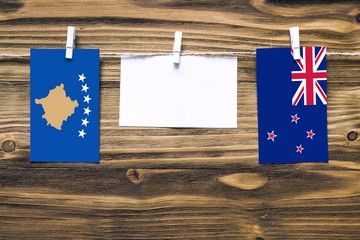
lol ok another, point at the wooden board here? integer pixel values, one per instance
(180, 183)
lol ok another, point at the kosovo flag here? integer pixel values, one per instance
(292, 105)
(64, 106)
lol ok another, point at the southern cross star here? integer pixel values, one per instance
(294, 118)
(310, 134)
(271, 136)
(299, 149)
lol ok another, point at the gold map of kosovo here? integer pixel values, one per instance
(57, 106)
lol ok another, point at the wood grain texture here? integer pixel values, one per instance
(165, 183)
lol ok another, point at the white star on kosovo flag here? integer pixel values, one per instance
(84, 122)
(82, 77)
(82, 133)
(87, 111)
(87, 98)
(84, 87)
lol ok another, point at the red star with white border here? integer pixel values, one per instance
(310, 134)
(299, 149)
(271, 136)
(294, 118)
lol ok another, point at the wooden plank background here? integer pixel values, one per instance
(180, 183)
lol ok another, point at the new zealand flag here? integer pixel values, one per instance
(292, 105)
(64, 106)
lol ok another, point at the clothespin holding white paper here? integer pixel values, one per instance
(177, 47)
(70, 42)
(295, 42)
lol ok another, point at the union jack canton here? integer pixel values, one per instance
(309, 75)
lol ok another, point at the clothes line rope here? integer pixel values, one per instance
(128, 54)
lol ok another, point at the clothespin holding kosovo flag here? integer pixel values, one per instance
(70, 42)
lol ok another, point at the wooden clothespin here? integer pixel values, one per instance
(295, 42)
(177, 47)
(70, 42)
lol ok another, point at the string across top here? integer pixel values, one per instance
(129, 54)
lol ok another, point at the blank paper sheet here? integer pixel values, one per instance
(200, 92)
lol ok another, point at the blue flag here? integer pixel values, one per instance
(64, 106)
(292, 105)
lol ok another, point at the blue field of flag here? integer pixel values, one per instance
(292, 115)
(64, 106)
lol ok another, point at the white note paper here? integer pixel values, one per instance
(200, 92)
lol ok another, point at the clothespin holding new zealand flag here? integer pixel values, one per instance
(292, 103)
(295, 42)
